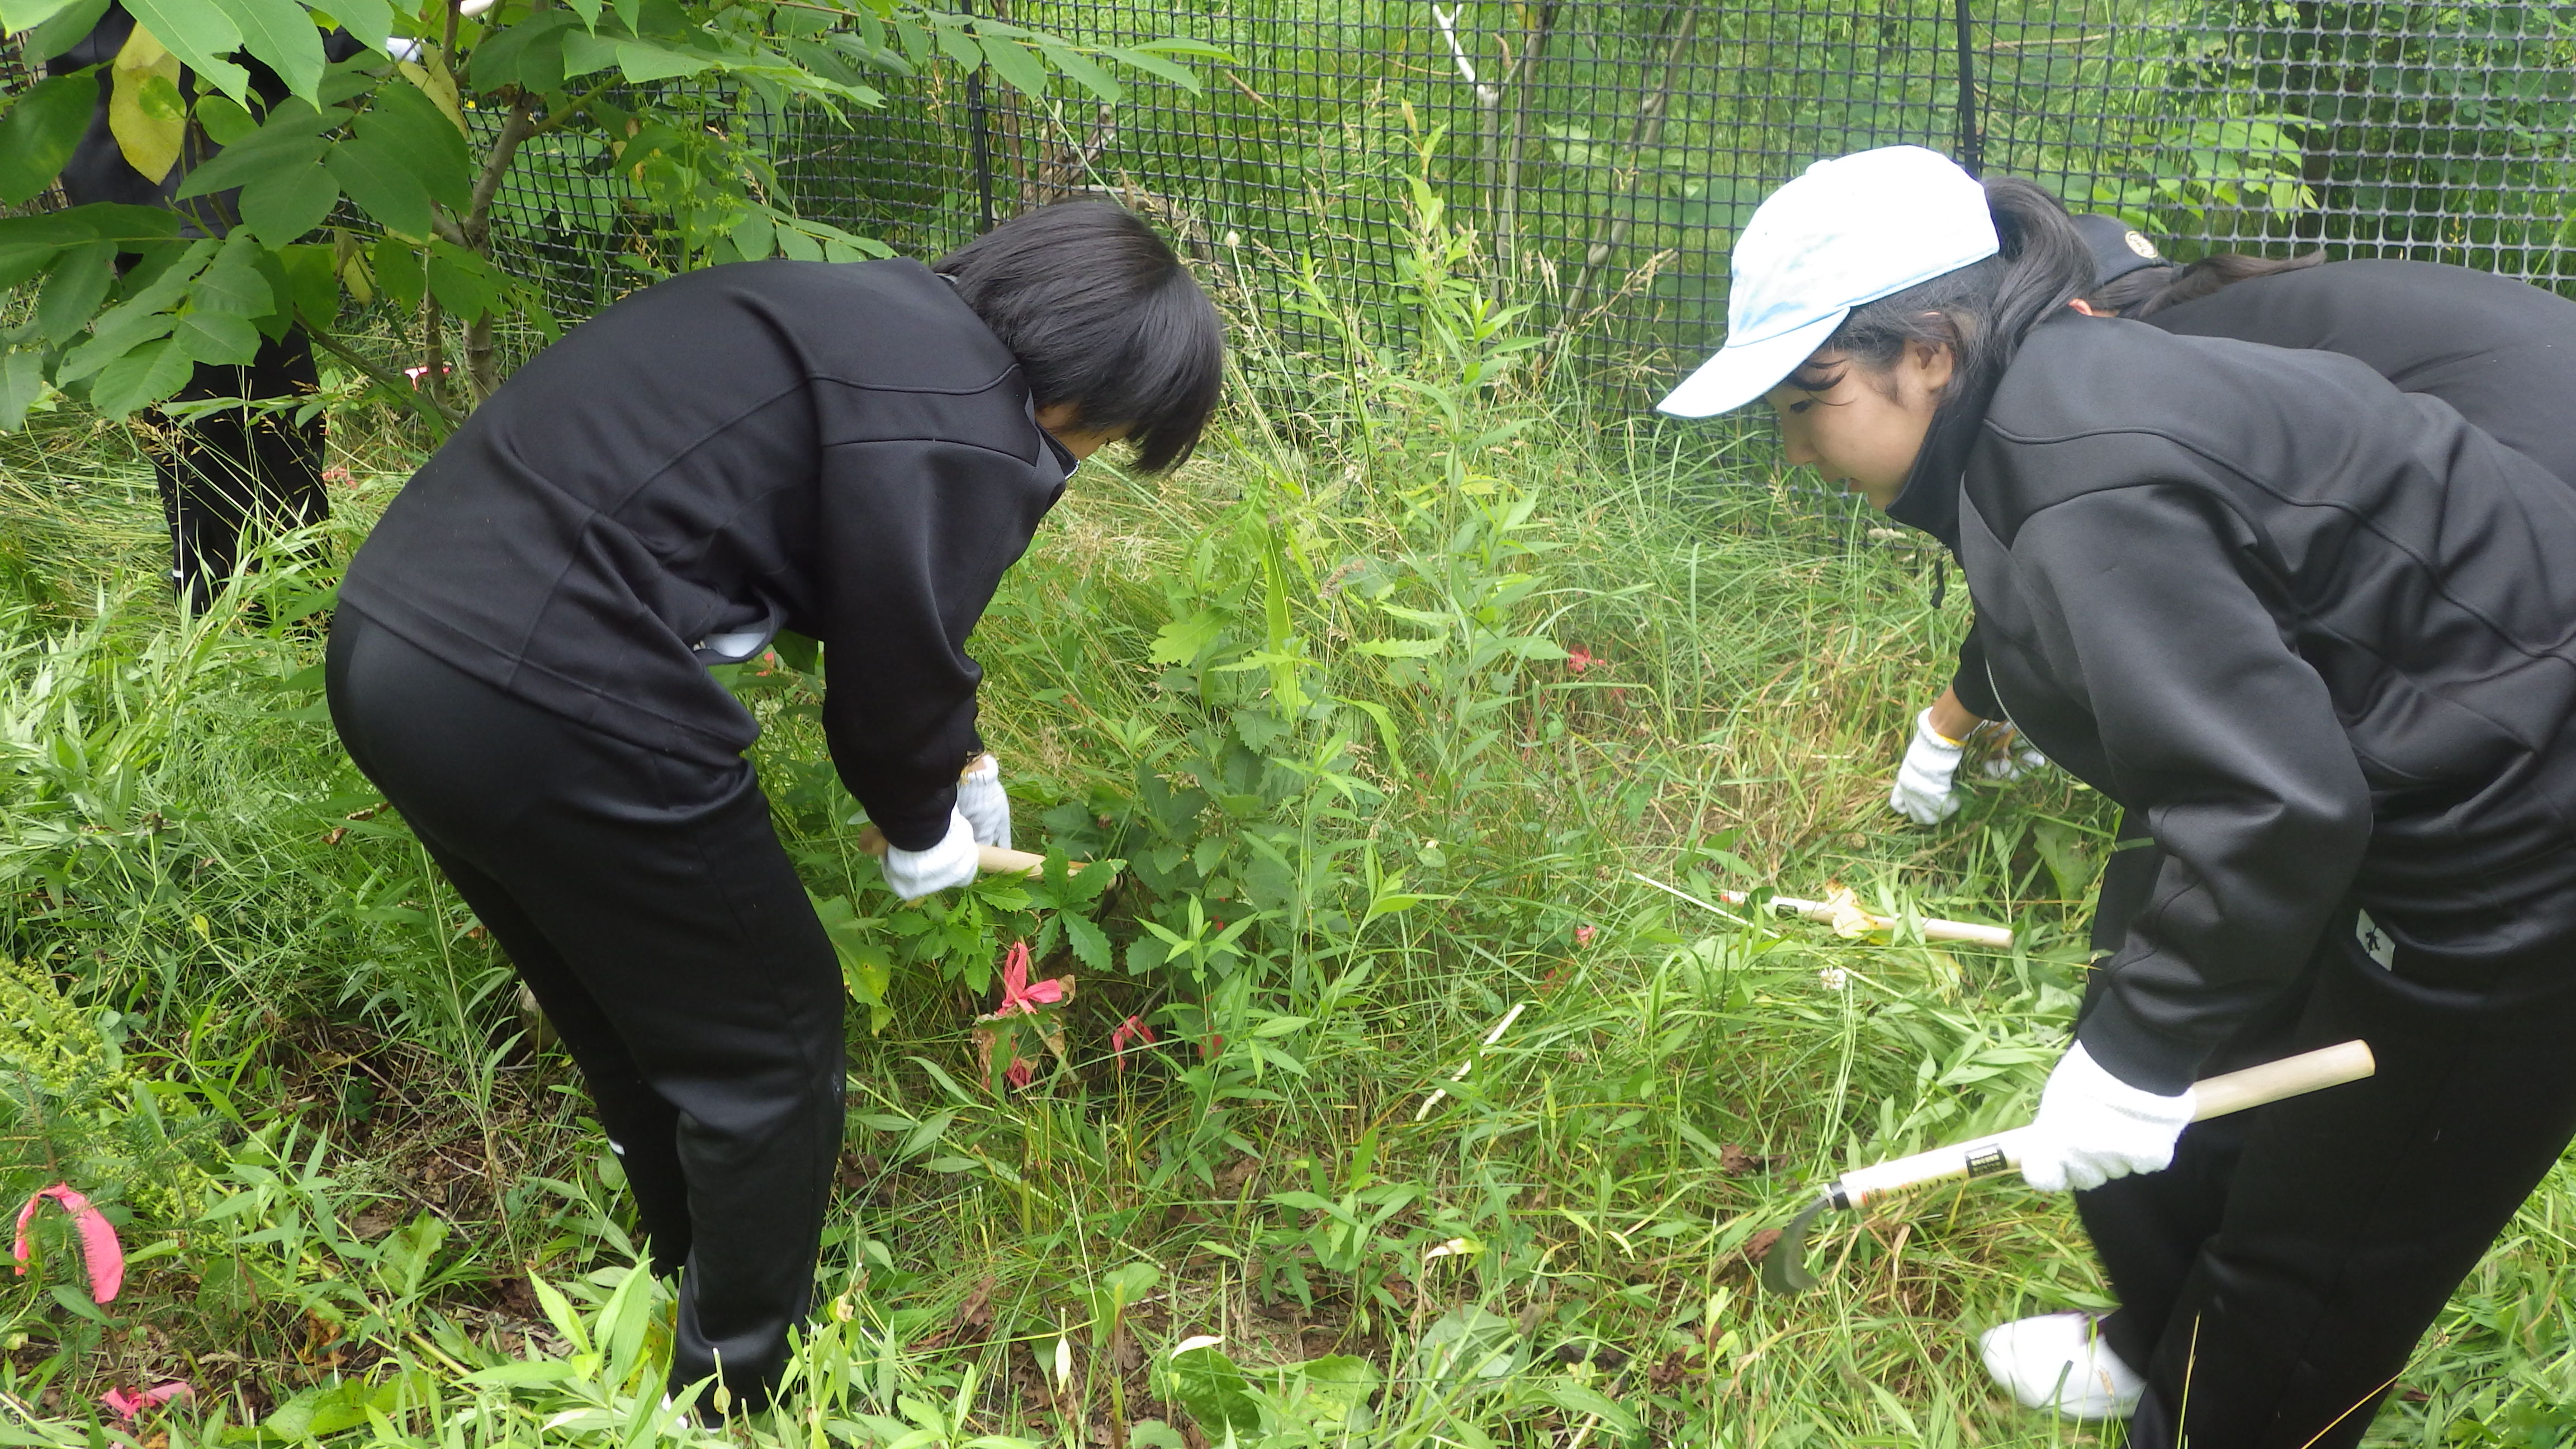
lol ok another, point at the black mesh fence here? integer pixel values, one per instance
(1605, 154)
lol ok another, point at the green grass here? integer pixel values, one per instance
(1314, 687)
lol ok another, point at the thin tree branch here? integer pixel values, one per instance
(430, 409)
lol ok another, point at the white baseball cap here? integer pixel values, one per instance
(1852, 230)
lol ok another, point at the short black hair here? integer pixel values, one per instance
(1102, 315)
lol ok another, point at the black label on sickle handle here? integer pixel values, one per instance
(1986, 1161)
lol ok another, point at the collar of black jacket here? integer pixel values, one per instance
(1930, 498)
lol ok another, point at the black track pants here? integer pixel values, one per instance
(2276, 1279)
(236, 467)
(646, 901)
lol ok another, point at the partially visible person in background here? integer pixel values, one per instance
(2500, 351)
(228, 468)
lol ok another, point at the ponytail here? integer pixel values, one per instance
(1982, 311)
(2157, 289)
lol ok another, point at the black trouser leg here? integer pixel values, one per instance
(2274, 1291)
(238, 467)
(642, 1125)
(649, 903)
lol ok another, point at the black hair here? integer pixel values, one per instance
(1981, 311)
(2145, 293)
(1103, 316)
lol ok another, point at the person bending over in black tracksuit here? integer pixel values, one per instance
(229, 468)
(519, 662)
(2502, 352)
(2319, 635)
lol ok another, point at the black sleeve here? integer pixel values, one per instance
(920, 532)
(2222, 739)
(1970, 685)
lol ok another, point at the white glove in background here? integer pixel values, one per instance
(916, 873)
(2093, 1127)
(2017, 758)
(1922, 792)
(981, 801)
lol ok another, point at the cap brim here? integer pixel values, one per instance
(1738, 375)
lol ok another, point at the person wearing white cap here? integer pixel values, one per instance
(2501, 351)
(2319, 636)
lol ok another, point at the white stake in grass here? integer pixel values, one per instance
(1469, 1064)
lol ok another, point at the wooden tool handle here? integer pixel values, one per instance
(1999, 938)
(2213, 1097)
(989, 859)
(2274, 1081)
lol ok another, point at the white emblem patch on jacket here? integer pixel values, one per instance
(2375, 943)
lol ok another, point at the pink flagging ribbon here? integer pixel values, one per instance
(127, 1405)
(100, 1251)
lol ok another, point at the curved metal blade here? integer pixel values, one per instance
(1784, 1268)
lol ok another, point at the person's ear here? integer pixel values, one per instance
(2087, 308)
(1933, 365)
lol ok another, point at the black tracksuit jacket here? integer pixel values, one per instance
(2318, 634)
(840, 449)
(2500, 351)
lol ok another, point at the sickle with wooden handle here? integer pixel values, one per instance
(1784, 1268)
(989, 859)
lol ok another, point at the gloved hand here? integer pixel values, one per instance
(2093, 1127)
(2014, 758)
(981, 801)
(1922, 792)
(916, 873)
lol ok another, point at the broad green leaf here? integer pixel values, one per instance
(589, 12)
(282, 34)
(398, 273)
(644, 61)
(59, 32)
(146, 375)
(528, 55)
(1183, 640)
(585, 53)
(1085, 74)
(382, 182)
(97, 222)
(232, 284)
(144, 111)
(17, 15)
(1016, 64)
(313, 281)
(410, 126)
(22, 381)
(462, 282)
(20, 261)
(223, 120)
(1090, 944)
(269, 153)
(216, 337)
(201, 35)
(957, 45)
(287, 204)
(38, 132)
(1151, 64)
(1213, 1390)
(73, 289)
(371, 21)
(431, 78)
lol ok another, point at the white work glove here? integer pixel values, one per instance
(1922, 792)
(2017, 758)
(2093, 1127)
(981, 801)
(916, 873)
